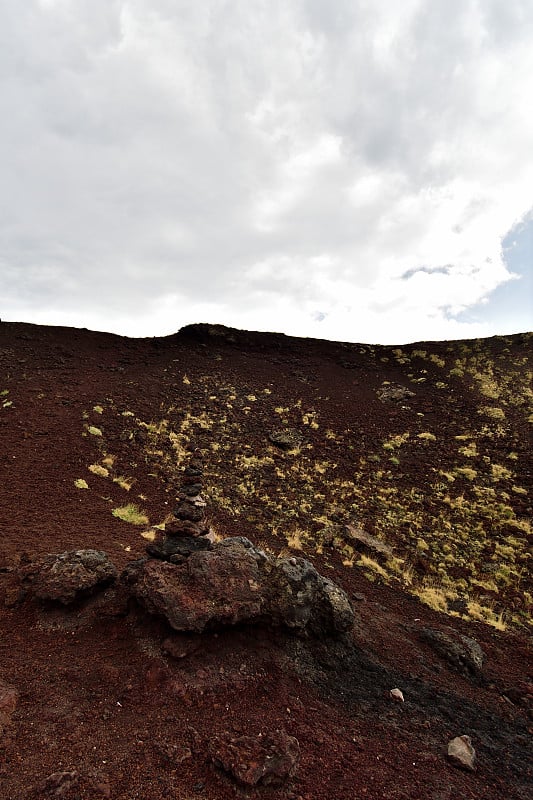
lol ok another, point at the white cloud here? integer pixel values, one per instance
(267, 165)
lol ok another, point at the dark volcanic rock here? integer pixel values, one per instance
(188, 510)
(191, 489)
(301, 598)
(184, 527)
(234, 582)
(251, 760)
(461, 652)
(166, 547)
(286, 438)
(218, 586)
(65, 577)
(194, 469)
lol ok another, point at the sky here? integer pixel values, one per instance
(354, 170)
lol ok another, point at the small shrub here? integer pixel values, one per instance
(79, 483)
(96, 469)
(94, 431)
(295, 539)
(395, 441)
(466, 472)
(470, 450)
(124, 483)
(498, 472)
(486, 614)
(493, 412)
(376, 569)
(440, 362)
(131, 514)
(432, 596)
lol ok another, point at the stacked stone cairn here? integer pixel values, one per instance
(187, 532)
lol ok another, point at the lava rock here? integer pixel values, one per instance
(463, 653)
(68, 576)
(184, 527)
(257, 760)
(191, 489)
(188, 510)
(167, 547)
(59, 783)
(461, 753)
(366, 541)
(231, 582)
(302, 599)
(194, 467)
(286, 438)
(216, 586)
(393, 391)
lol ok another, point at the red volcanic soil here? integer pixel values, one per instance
(103, 710)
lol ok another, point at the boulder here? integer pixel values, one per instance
(463, 653)
(234, 582)
(257, 760)
(66, 577)
(302, 599)
(212, 587)
(366, 541)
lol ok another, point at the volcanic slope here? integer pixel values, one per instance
(402, 473)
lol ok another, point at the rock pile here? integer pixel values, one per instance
(234, 582)
(187, 532)
(197, 584)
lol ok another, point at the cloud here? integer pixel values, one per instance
(254, 162)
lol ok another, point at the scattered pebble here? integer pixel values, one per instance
(397, 695)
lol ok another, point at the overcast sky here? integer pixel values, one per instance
(342, 169)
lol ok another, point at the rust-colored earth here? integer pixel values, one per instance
(91, 423)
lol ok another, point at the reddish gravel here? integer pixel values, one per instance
(98, 695)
